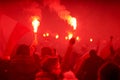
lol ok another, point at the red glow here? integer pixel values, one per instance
(7, 57)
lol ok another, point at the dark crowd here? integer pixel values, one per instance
(50, 65)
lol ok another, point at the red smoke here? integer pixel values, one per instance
(62, 12)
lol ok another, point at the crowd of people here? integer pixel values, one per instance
(49, 65)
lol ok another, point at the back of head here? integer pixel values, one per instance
(23, 50)
(110, 71)
(46, 51)
(72, 41)
(92, 53)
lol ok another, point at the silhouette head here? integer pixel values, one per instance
(72, 41)
(92, 53)
(23, 49)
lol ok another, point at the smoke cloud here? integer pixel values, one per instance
(33, 9)
(55, 5)
(62, 12)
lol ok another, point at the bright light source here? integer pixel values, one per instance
(72, 21)
(57, 36)
(44, 35)
(78, 38)
(35, 24)
(70, 35)
(47, 34)
(91, 39)
(66, 38)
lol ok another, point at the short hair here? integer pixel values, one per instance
(92, 52)
(23, 49)
(46, 51)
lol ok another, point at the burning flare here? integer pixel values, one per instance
(72, 21)
(62, 12)
(35, 24)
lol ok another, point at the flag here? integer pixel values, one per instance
(10, 33)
